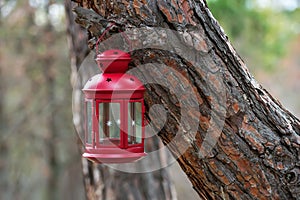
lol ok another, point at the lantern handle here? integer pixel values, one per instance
(102, 35)
(105, 31)
(127, 39)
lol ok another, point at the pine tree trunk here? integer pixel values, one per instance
(102, 182)
(246, 144)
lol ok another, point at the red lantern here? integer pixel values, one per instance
(114, 118)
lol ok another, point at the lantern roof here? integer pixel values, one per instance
(113, 82)
(114, 79)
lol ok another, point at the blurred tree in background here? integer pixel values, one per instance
(39, 157)
(260, 34)
(38, 152)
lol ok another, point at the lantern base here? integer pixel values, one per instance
(113, 158)
(113, 155)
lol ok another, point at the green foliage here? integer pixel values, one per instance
(260, 35)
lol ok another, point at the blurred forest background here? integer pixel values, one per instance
(39, 157)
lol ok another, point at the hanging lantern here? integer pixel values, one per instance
(114, 118)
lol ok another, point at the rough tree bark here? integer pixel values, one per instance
(102, 182)
(257, 153)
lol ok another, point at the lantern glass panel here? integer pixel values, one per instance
(101, 127)
(109, 123)
(134, 122)
(89, 118)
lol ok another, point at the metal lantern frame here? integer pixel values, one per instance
(114, 117)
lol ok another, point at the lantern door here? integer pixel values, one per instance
(110, 126)
(89, 128)
(135, 125)
(119, 123)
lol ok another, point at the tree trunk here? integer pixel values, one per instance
(231, 137)
(102, 182)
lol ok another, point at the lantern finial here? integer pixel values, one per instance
(113, 61)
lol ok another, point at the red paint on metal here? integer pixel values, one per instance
(113, 61)
(112, 86)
